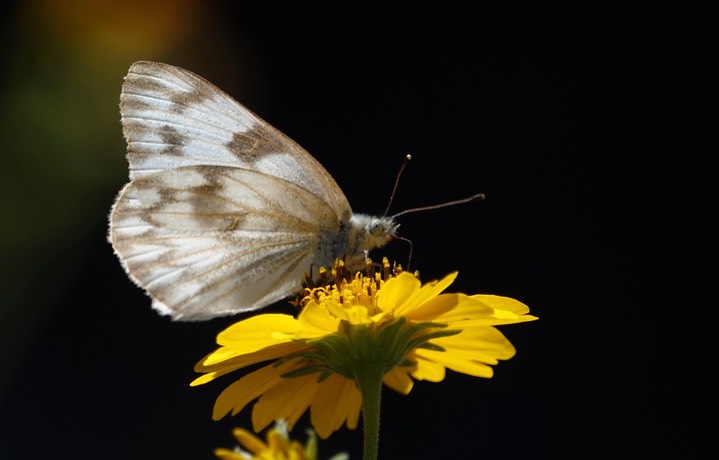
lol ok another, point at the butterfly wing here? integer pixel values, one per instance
(223, 212)
(172, 117)
(208, 241)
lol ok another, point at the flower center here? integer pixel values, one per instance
(349, 290)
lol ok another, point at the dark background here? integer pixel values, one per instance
(582, 128)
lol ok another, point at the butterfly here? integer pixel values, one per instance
(223, 213)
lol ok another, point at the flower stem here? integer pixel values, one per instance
(370, 385)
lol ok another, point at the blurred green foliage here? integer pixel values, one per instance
(63, 156)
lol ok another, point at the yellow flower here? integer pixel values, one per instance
(390, 326)
(278, 446)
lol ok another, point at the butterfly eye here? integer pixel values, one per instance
(376, 227)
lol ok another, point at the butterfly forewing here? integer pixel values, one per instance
(172, 117)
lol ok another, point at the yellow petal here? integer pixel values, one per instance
(503, 303)
(217, 369)
(398, 379)
(227, 454)
(315, 321)
(396, 291)
(236, 396)
(337, 401)
(481, 310)
(236, 358)
(435, 308)
(428, 370)
(203, 379)
(278, 444)
(473, 368)
(249, 441)
(259, 332)
(470, 352)
(356, 314)
(478, 342)
(425, 293)
(334, 308)
(287, 399)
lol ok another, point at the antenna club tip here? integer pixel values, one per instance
(408, 157)
(480, 197)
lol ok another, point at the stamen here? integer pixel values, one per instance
(385, 268)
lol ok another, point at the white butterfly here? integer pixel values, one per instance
(223, 213)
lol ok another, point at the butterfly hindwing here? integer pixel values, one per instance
(208, 240)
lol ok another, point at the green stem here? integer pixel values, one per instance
(370, 385)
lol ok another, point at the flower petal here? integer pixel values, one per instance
(259, 332)
(227, 454)
(471, 351)
(478, 342)
(482, 310)
(473, 368)
(315, 321)
(249, 441)
(234, 356)
(288, 399)
(278, 443)
(356, 314)
(396, 291)
(425, 293)
(428, 370)
(503, 303)
(398, 379)
(218, 364)
(337, 401)
(236, 396)
(435, 308)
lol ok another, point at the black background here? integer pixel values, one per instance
(575, 124)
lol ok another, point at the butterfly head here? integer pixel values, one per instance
(370, 232)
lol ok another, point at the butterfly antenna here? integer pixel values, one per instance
(396, 182)
(475, 197)
(409, 256)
